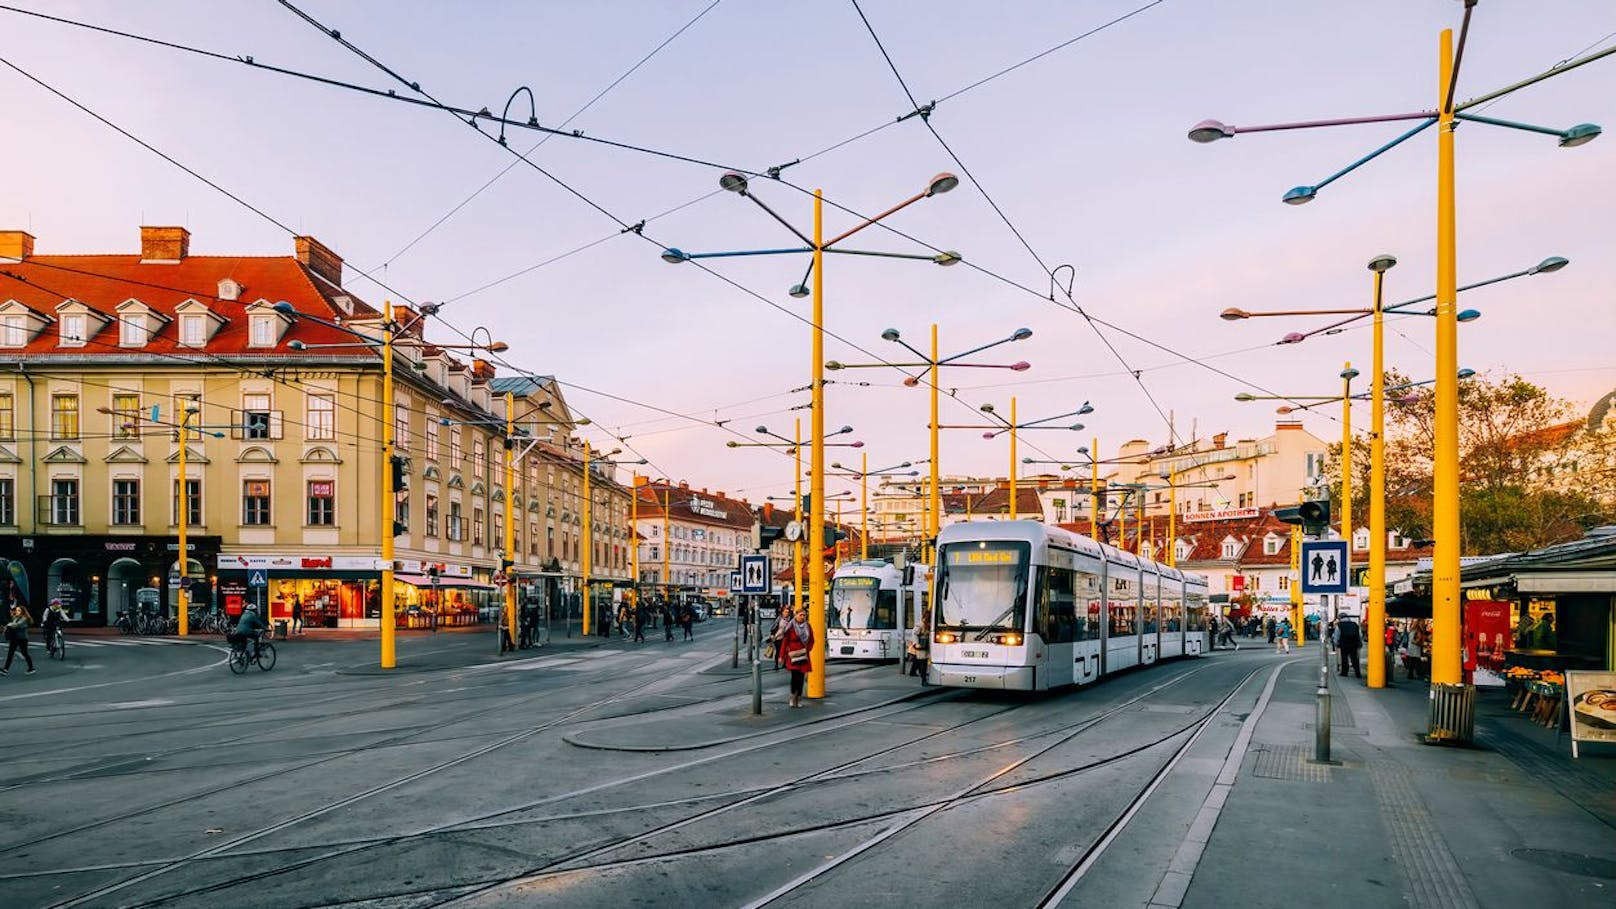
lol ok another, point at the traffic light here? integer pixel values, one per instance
(834, 534)
(401, 473)
(432, 571)
(400, 528)
(765, 535)
(1313, 515)
(506, 565)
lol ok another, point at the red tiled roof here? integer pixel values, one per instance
(994, 501)
(102, 282)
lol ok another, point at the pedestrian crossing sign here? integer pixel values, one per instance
(257, 578)
(1325, 566)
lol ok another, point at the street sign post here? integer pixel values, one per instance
(1325, 569)
(755, 573)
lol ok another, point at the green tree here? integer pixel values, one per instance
(1516, 441)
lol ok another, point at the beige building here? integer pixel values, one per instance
(102, 356)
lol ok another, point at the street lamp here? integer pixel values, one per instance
(1012, 426)
(1445, 657)
(863, 474)
(933, 364)
(388, 496)
(818, 246)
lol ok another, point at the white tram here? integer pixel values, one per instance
(1027, 606)
(871, 612)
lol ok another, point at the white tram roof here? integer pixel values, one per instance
(867, 568)
(1018, 531)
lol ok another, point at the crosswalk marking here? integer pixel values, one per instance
(119, 642)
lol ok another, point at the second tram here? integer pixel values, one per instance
(1028, 606)
(872, 609)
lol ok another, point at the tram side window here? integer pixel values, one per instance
(1195, 614)
(885, 614)
(1172, 614)
(1150, 611)
(1057, 606)
(1123, 608)
(1088, 618)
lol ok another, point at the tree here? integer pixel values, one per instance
(1516, 443)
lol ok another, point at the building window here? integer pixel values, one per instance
(193, 500)
(64, 417)
(456, 531)
(1284, 582)
(1270, 545)
(8, 417)
(8, 501)
(431, 515)
(255, 503)
(125, 416)
(498, 538)
(1231, 549)
(1399, 541)
(13, 330)
(533, 540)
(1315, 464)
(73, 333)
(431, 438)
(401, 425)
(476, 526)
(132, 330)
(477, 453)
(401, 514)
(125, 502)
(262, 331)
(322, 503)
(64, 501)
(1360, 539)
(550, 541)
(256, 417)
(322, 418)
(193, 331)
(455, 453)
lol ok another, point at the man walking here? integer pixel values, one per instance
(1349, 639)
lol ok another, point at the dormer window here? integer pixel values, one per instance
(1181, 551)
(1360, 539)
(1399, 541)
(132, 330)
(75, 329)
(13, 330)
(263, 331)
(1271, 544)
(193, 331)
(229, 290)
(1231, 548)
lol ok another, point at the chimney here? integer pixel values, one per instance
(1217, 440)
(164, 244)
(481, 369)
(319, 258)
(15, 245)
(768, 509)
(684, 485)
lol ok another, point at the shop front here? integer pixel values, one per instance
(443, 595)
(334, 591)
(96, 577)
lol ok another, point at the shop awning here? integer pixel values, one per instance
(421, 580)
(1567, 582)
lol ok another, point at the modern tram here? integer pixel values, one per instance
(872, 609)
(1027, 606)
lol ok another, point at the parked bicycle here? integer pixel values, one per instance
(245, 651)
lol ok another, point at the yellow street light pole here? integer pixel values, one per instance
(1012, 457)
(185, 506)
(588, 544)
(864, 506)
(796, 548)
(389, 498)
(1375, 609)
(936, 495)
(510, 519)
(816, 510)
(1445, 658)
(1347, 375)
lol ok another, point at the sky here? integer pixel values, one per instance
(1078, 158)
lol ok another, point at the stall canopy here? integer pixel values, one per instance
(421, 580)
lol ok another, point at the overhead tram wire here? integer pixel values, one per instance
(925, 118)
(547, 137)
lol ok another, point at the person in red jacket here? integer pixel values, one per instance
(795, 641)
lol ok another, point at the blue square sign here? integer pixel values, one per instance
(1325, 568)
(754, 574)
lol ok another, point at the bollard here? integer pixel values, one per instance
(1321, 724)
(757, 666)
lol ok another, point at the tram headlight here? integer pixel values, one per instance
(1010, 640)
(946, 637)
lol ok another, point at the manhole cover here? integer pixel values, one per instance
(1569, 862)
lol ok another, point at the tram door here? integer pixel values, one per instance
(1150, 618)
(1086, 641)
(1172, 617)
(1053, 621)
(1122, 613)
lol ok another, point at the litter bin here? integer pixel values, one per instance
(280, 629)
(1453, 714)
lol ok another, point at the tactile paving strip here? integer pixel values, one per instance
(1288, 762)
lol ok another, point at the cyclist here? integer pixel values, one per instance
(55, 617)
(250, 628)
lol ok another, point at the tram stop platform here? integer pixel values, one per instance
(1511, 821)
(848, 692)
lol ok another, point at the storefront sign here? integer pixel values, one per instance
(1220, 514)
(119, 546)
(445, 569)
(1593, 706)
(300, 563)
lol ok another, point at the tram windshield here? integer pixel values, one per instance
(859, 602)
(983, 586)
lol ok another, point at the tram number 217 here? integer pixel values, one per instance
(969, 679)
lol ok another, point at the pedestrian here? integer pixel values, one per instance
(1393, 641)
(795, 640)
(668, 610)
(1272, 627)
(1280, 633)
(1332, 641)
(297, 615)
(687, 621)
(17, 638)
(639, 623)
(1349, 638)
(782, 619)
(920, 650)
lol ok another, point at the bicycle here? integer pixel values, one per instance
(56, 644)
(125, 623)
(263, 655)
